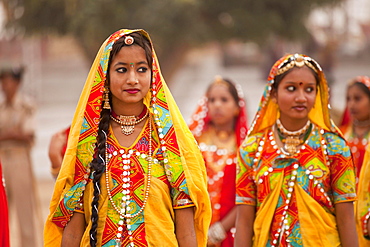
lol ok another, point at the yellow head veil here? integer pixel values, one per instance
(268, 111)
(182, 156)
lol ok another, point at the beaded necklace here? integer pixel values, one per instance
(124, 211)
(292, 139)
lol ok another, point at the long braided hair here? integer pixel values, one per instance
(98, 162)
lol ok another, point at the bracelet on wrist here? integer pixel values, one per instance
(216, 233)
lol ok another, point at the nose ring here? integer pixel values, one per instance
(136, 81)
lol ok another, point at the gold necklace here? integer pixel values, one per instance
(128, 122)
(292, 138)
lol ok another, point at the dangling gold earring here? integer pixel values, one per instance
(106, 105)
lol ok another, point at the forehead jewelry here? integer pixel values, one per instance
(296, 61)
(131, 65)
(129, 40)
(219, 81)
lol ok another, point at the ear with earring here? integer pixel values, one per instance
(106, 105)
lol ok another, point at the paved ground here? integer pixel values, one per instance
(62, 82)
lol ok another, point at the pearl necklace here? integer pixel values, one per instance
(292, 141)
(126, 197)
(299, 132)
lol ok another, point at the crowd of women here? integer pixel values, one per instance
(135, 174)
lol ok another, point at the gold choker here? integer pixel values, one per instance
(292, 138)
(128, 122)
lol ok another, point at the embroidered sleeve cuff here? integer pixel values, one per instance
(79, 211)
(79, 207)
(245, 201)
(183, 203)
(345, 198)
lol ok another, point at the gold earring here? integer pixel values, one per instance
(106, 105)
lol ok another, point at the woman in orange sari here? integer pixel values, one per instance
(219, 124)
(295, 182)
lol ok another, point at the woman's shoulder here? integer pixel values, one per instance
(332, 136)
(335, 142)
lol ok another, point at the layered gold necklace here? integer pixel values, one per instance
(292, 139)
(128, 122)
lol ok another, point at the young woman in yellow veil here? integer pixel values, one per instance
(132, 174)
(296, 181)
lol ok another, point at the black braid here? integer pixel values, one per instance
(97, 167)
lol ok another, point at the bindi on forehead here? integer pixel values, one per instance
(301, 83)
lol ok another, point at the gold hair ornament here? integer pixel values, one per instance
(296, 61)
(219, 81)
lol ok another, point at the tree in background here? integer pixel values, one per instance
(175, 25)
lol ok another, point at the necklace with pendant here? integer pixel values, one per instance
(128, 122)
(291, 139)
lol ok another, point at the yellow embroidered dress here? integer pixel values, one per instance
(294, 194)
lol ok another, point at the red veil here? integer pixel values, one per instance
(4, 222)
(200, 119)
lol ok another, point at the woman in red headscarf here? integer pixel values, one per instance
(219, 124)
(356, 119)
